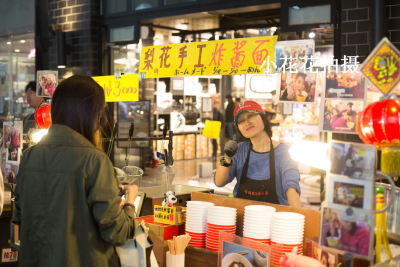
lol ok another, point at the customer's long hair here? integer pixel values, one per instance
(79, 103)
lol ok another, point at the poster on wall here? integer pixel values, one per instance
(382, 65)
(347, 230)
(353, 160)
(222, 57)
(294, 55)
(13, 135)
(340, 115)
(261, 86)
(298, 88)
(46, 83)
(11, 174)
(177, 122)
(344, 85)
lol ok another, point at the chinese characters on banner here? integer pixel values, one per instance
(224, 57)
(382, 67)
(122, 89)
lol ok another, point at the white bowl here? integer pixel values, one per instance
(219, 222)
(292, 241)
(256, 223)
(257, 230)
(221, 210)
(288, 231)
(287, 236)
(199, 203)
(197, 216)
(197, 231)
(259, 209)
(292, 216)
(255, 227)
(258, 216)
(221, 218)
(256, 236)
(284, 224)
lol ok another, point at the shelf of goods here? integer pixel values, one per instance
(188, 146)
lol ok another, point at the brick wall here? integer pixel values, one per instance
(393, 21)
(80, 20)
(355, 28)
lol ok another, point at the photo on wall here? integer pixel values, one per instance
(349, 192)
(353, 160)
(13, 135)
(298, 88)
(46, 83)
(13, 155)
(232, 255)
(346, 230)
(327, 259)
(11, 174)
(340, 115)
(298, 50)
(344, 85)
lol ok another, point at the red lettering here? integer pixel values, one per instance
(199, 65)
(164, 56)
(148, 59)
(260, 55)
(218, 51)
(6, 255)
(238, 59)
(182, 54)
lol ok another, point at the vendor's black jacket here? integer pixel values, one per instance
(67, 204)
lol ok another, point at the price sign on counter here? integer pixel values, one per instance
(224, 57)
(121, 89)
(9, 256)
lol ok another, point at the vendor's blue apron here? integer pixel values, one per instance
(259, 190)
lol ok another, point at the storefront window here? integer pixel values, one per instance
(144, 4)
(17, 68)
(173, 2)
(126, 58)
(116, 6)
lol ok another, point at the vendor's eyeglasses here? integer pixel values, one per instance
(241, 121)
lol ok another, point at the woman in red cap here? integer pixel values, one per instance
(263, 168)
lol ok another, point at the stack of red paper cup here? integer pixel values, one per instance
(196, 222)
(257, 223)
(219, 219)
(287, 232)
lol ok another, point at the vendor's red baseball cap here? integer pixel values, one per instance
(248, 105)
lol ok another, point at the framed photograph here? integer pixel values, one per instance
(346, 230)
(177, 84)
(344, 85)
(13, 155)
(340, 115)
(297, 50)
(326, 258)
(298, 88)
(353, 160)
(349, 192)
(11, 174)
(13, 135)
(206, 104)
(46, 83)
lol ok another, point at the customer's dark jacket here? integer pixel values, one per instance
(67, 204)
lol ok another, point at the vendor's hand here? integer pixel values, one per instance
(231, 148)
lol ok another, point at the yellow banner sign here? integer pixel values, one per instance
(121, 89)
(224, 57)
(169, 215)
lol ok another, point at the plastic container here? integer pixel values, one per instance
(133, 175)
(166, 175)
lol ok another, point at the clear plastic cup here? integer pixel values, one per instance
(166, 174)
(133, 175)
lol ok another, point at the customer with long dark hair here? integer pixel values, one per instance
(67, 195)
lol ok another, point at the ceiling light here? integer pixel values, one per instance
(61, 66)
(22, 41)
(311, 35)
(8, 43)
(16, 50)
(296, 7)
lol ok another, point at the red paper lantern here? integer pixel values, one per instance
(43, 116)
(379, 123)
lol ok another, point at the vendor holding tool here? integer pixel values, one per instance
(250, 162)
